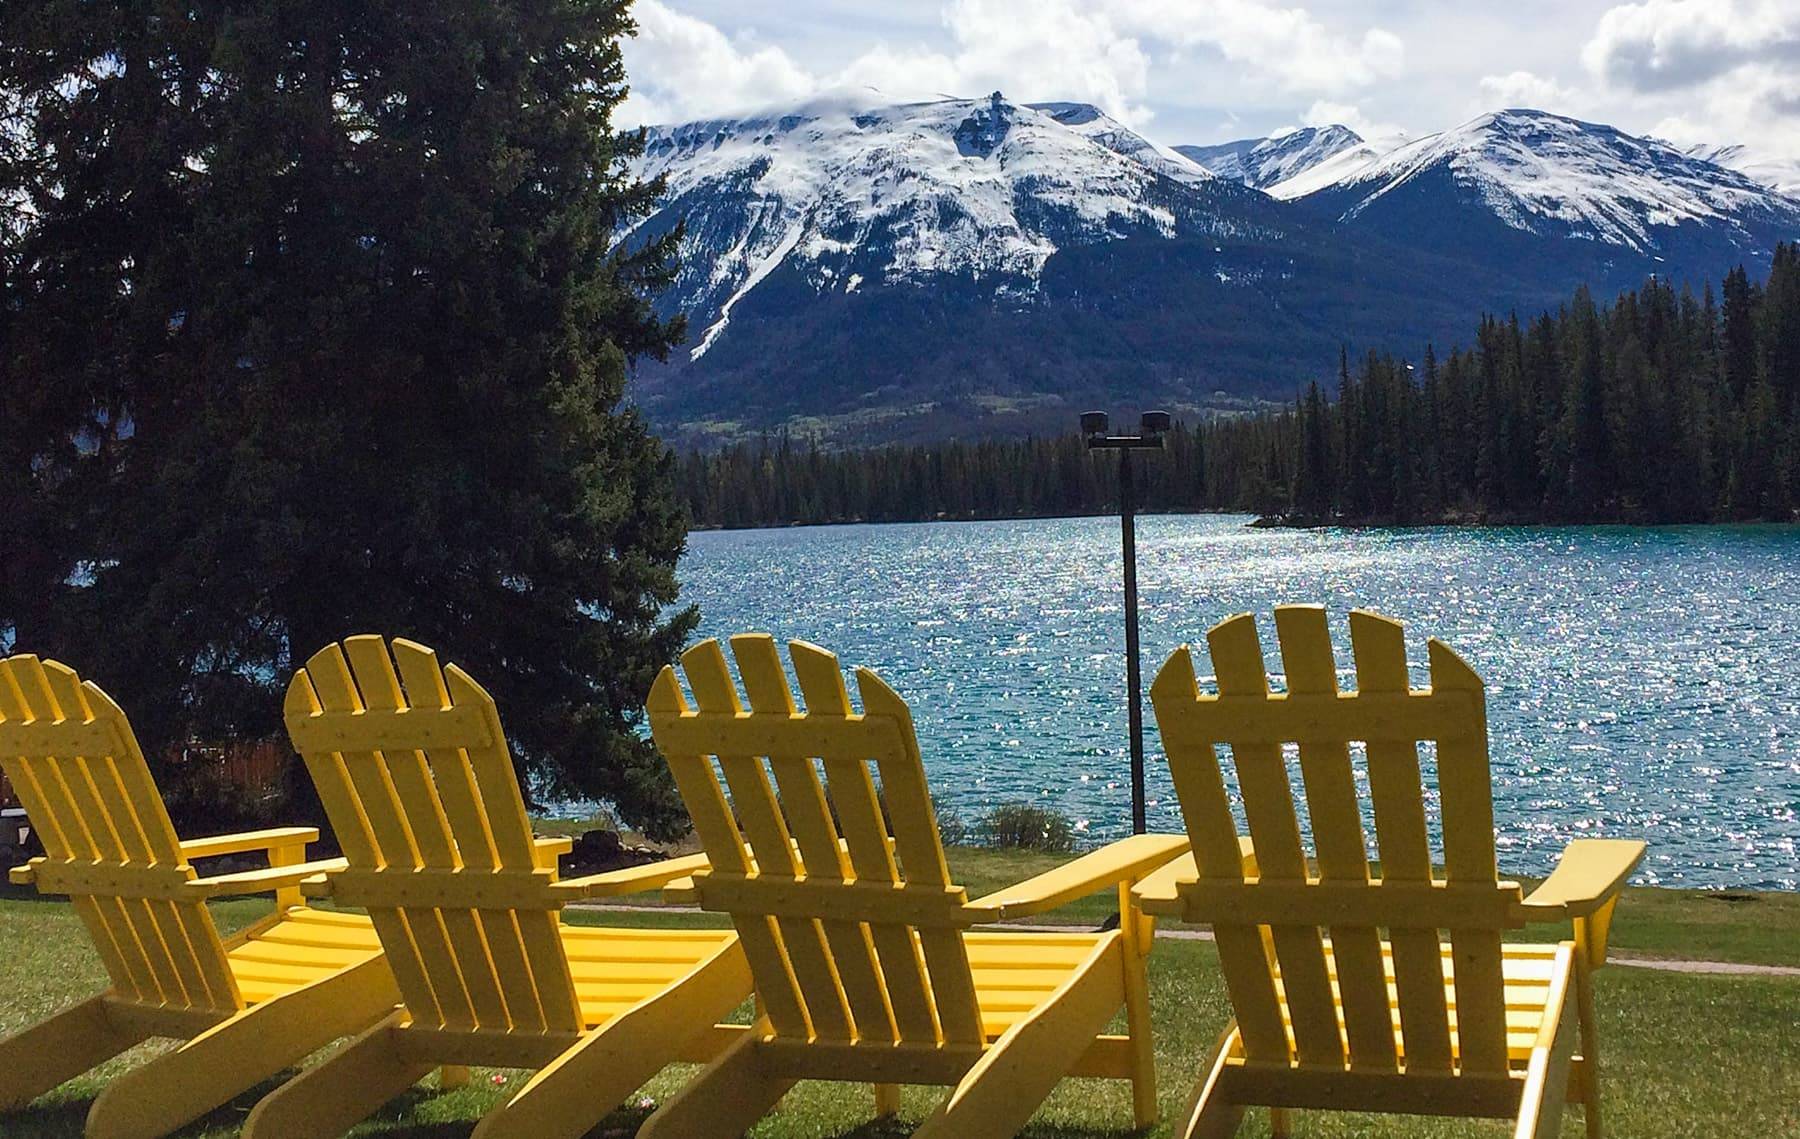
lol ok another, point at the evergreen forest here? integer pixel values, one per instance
(1661, 406)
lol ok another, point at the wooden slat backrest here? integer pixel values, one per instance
(411, 763)
(75, 764)
(1272, 924)
(852, 934)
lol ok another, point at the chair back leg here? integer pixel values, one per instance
(348, 1087)
(722, 1101)
(257, 1044)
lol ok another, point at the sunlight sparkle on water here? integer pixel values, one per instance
(1640, 681)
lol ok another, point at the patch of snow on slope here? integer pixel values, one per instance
(763, 269)
(1335, 169)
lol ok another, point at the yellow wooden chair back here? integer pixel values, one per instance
(75, 765)
(412, 765)
(851, 934)
(1272, 921)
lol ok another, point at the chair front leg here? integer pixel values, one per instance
(1139, 931)
(1210, 1113)
(36, 1059)
(1584, 1071)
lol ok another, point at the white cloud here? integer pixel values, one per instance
(681, 67)
(1287, 44)
(1758, 104)
(1523, 89)
(1324, 113)
(1720, 70)
(1100, 51)
(1665, 45)
(1061, 50)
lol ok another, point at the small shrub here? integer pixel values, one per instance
(952, 827)
(1026, 826)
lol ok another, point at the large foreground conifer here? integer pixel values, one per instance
(314, 325)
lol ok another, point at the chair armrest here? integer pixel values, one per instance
(1160, 891)
(268, 878)
(1584, 889)
(1590, 873)
(25, 875)
(550, 849)
(250, 840)
(681, 892)
(631, 880)
(1122, 861)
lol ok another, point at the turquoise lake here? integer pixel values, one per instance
(1641, 681)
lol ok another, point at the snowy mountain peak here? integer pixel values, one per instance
(1775, 172)
(845, 192)
(1090, 121)
(1556, 176)
(986, 127)
(1262, 162)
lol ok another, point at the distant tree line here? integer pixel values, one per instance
(1660, 407)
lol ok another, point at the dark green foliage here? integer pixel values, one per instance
(1027, 826)
(314, 327)
(774, 482)
(1660, 407)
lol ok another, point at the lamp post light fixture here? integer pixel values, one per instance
(1151, 429)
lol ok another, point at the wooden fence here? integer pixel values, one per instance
(256, 771)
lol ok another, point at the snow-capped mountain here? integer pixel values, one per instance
(1544, 176)
(1771, 170)
(848, 192)
(1262, 162)
(877, 271)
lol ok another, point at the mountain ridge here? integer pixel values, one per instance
(1263, 162)
(874, 271)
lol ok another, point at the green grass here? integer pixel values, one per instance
(1684, 1055)
(1710, 925)
(1693, 925)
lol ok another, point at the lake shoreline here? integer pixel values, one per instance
(1452, 521)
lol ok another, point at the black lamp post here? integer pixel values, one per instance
(1149, 438)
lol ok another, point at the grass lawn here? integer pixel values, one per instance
(1694, 925)
(1685, 1055)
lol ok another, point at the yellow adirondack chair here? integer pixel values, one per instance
(866, 964)
(247, 1007)
(1347, 994)
(412, 765)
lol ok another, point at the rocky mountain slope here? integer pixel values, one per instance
(1561, 200)
(874, 271)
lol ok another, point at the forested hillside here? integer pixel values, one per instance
(1661, 406)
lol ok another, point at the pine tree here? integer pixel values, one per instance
(1315, 490)
(1740, 331)
(330, 336)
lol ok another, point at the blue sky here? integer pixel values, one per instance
(1198, 71)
